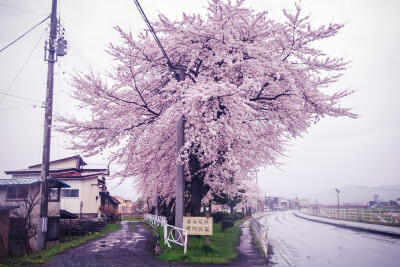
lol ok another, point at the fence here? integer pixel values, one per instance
(171, 233)
(261, 231)
(358, 215)
(154, 219)
(175, 235)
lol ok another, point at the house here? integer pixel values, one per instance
(303, 203)
(283, 204)
(83, 197)
(109, 206)
(125, 206)
(22, 197)
(4, 229)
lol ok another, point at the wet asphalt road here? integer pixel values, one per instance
(132, 246)
(299, 242)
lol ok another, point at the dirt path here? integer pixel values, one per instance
(248, 254)
(131, 246)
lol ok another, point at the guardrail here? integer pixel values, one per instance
(261, 231)
(358, 215)
(171, 233)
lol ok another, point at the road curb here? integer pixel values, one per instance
(353, 227)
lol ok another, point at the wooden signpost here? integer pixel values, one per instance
(199, 226)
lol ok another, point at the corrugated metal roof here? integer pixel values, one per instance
(30, 180)
(19, 181)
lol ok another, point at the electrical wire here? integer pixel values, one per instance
(41, 6)
(25, 106)
(84, 59)
(25, 10)
(20, 97)
(23, 66)
(154, 34)
(24, 34)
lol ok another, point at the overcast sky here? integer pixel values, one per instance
(334, 152)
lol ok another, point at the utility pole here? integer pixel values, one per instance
(47, 128)
(180, 178)
(338, 206)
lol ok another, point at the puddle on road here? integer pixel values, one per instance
(124, 238)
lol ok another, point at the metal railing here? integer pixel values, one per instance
(358, 215)
(261, 231)
(171, 233)
(176, 235)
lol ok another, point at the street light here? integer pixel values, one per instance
(338, 191)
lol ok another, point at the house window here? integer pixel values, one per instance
(54, 194)
(70, 193)
(17, 192)
(53, 228)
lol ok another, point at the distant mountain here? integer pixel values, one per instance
(352, 194)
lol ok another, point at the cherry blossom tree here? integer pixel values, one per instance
(252, 85)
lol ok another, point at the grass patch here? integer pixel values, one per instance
(222, 247)
(255, 241)
(45, 255)
(132, 226)
(134, 218)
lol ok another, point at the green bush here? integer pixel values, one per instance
(229, 217)
(218, 216)
(226, 224)
(239, 215)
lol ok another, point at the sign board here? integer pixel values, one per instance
(198, 225)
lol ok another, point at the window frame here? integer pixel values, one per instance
(21, 192)
(58, 194)
(70, 192)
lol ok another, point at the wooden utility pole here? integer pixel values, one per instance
(180, 177)
(47, 127)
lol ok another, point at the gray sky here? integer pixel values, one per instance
(334, 152)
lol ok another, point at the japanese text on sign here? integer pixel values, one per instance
(198, 225)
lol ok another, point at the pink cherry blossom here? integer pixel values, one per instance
(252, 84)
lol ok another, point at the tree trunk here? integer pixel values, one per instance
(196, 185)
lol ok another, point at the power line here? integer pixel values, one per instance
(41, 6)
(24, 34)
(23, 66)
(20, 97)
(81, 55)
(25, 106)
(330, 182)
(154, 34)
(25, 10)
